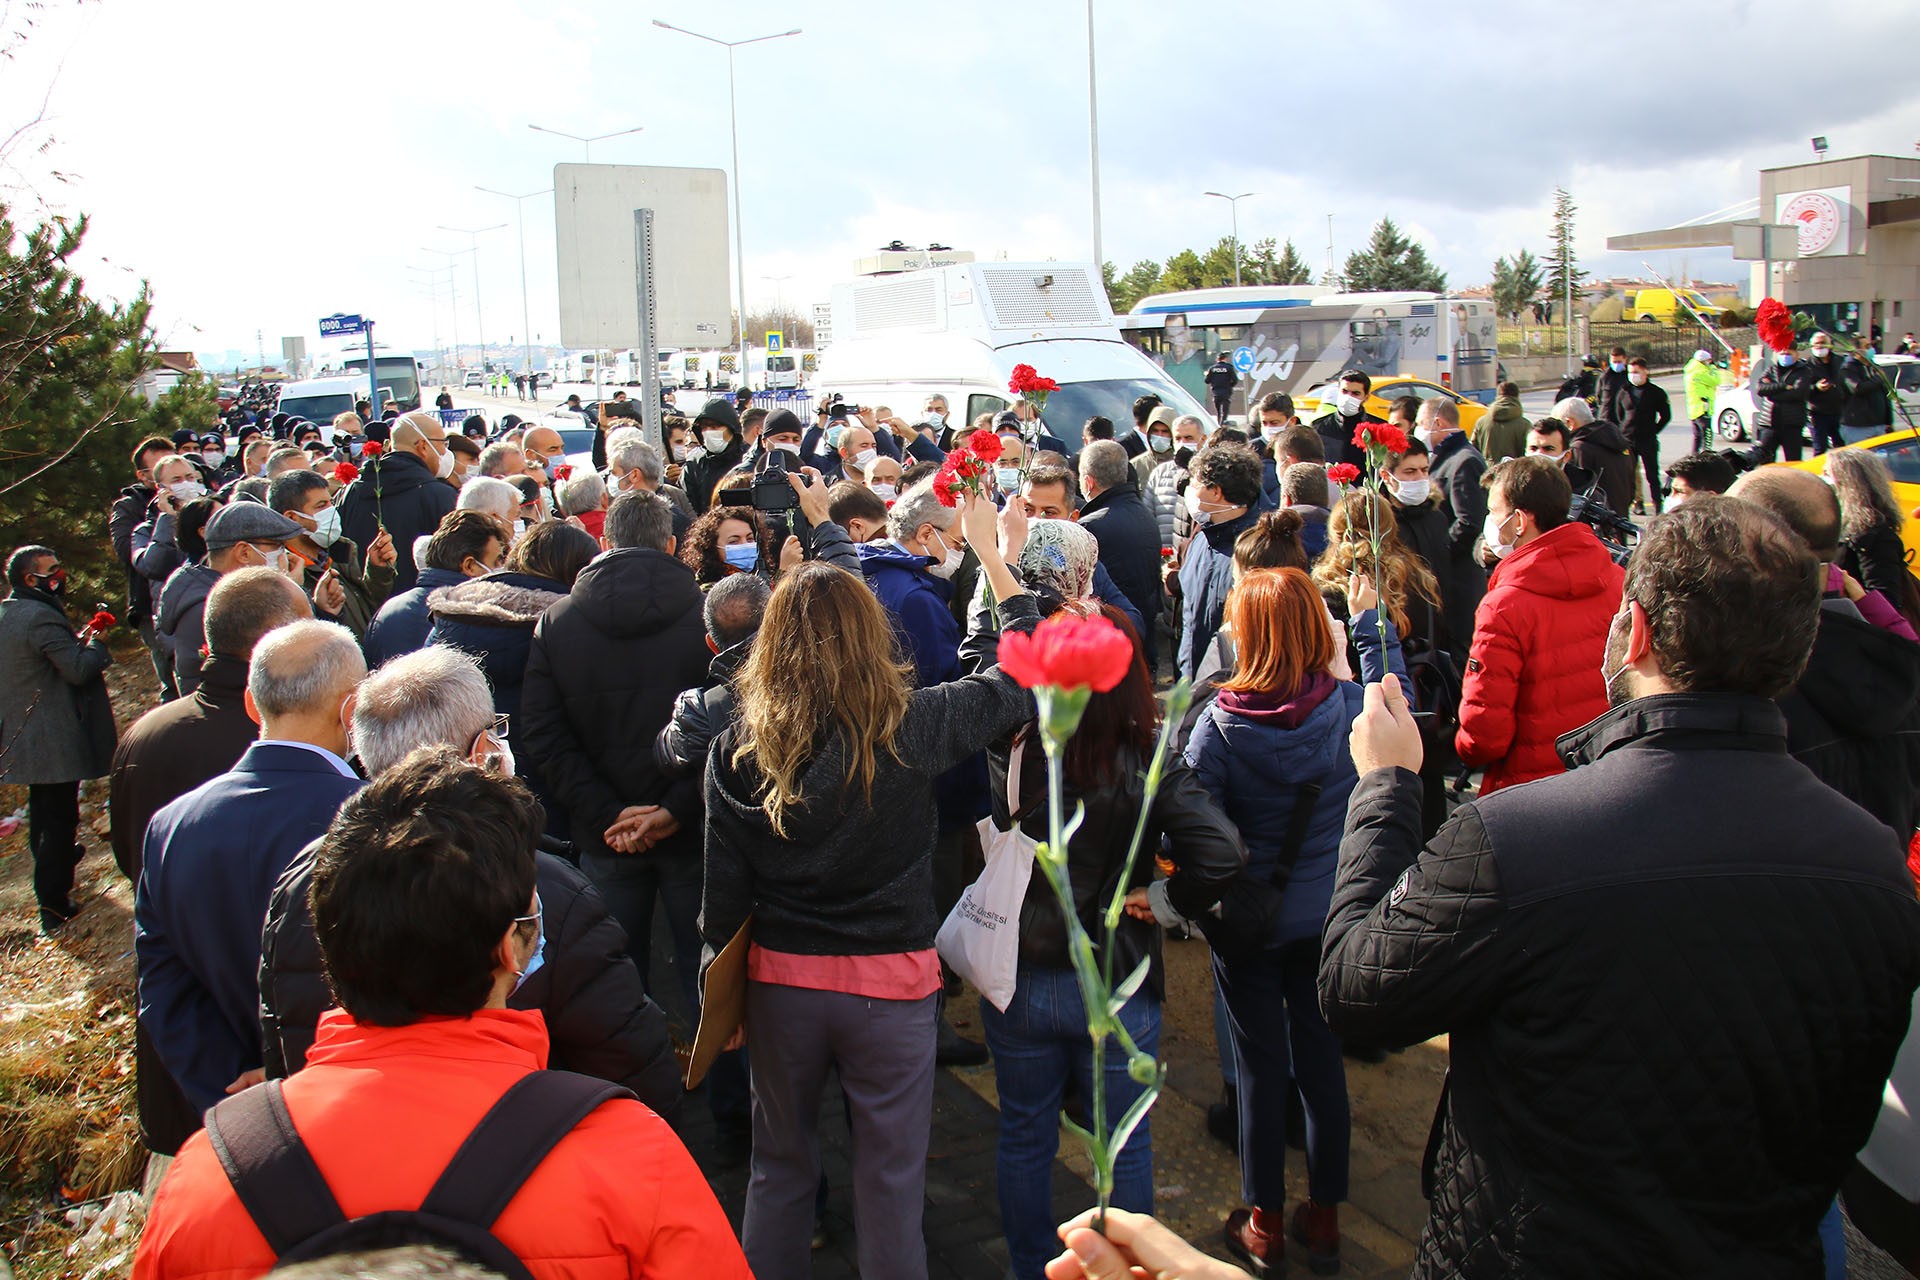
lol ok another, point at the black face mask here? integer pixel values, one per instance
(1183, 456)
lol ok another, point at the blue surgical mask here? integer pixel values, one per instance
(834, 433)
(539, 956)
(743, 556)
(1617, 367)
(1786, 358)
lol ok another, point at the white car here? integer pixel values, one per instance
(1733, 406)
(473, 378)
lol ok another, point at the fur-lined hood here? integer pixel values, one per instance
(497, 600)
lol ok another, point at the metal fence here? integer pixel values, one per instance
(1660, 345)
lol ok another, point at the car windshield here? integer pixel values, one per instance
(576, 439)
(1699, 300)
(1069, 408)
(323, 408)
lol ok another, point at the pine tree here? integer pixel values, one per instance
(1184, 270)
(1391, 261)
(1142, 278)
(1565, 275)
(69, 415)
(1291, 268)
(1515, 285)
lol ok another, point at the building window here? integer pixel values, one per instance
(1896, 309)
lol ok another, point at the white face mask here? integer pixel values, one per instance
(1412, 492)
(679, 452)
(1160, 444)
(864, 459)
(1197, 508)
(1491, 532)
(1637, 379)
(1425, 436)
(519, 530)
(936, 419)
(214, 457)
(885, 492)
(186, 490)
(1349, 405)
(950, 565)
(326, 526)
(1821, 353)
(1270, 434)
(713, 441)
(275, 559)
(787, 447)
(1006, 479)
(444, 467)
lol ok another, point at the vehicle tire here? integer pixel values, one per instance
(1730, 426)
(1646, 319)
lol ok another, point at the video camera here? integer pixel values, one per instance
(840, 410)
(1616, 533)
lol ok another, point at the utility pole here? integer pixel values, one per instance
(1329, 248)
(1233, 202)
(1093, 144)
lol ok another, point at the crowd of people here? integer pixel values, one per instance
(447, 723)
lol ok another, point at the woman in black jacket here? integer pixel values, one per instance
(820, 829)
(1040, 1041)
(1871, 523)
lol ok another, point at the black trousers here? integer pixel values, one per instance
(1220, 406)
(1702, 433)
(1647, 450)
(1826, 432)
(1785, 441)
(53, 827)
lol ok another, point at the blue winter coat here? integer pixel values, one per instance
(1253, 767)
(403, 622)
(1206, 575)
(492, 618)
(919, 605)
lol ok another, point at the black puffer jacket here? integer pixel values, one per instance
(1670, 1021)
(605, 666)
(1601, 449)
(599, 1019)
(1203, 845)
(396, 492)
(699, 715)
(1868, 403)
(1854, 718)
(1786, 388)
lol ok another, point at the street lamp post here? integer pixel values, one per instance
(1233, 202)
(526, 328)
(479, 317)
(733, 118)
(1093, 143)
(586, 143)
(431, 287)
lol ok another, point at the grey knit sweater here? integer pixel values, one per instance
(855, 875)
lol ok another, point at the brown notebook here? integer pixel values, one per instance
(723, 1007)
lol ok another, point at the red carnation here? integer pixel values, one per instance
(1775, 323)
(943, 489)
(101, 620)
(345, 472)
(1068, 652)
(1380, 435)
(372, 449)
(1343, 473)
(1044, 384)
(984, 445)
(1022, 380)
(563, 471)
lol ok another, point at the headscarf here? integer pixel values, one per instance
(1059, 556)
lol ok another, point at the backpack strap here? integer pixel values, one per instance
(510, 1142)
(1306, 797)
(270, 1168)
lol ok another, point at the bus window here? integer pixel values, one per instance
(979, 403)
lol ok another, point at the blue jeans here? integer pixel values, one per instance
(1279, 1039)
(1040, 1039)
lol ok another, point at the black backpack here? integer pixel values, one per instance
(283, 1190)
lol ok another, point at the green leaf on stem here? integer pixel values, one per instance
(1124, 992)
(1138, 1111)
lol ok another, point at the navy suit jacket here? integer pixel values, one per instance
(210, 863)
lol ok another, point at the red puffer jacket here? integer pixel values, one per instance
(1539, 639)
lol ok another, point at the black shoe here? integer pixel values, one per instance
(52, 918)
(954, 1050)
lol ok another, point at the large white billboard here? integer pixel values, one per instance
(593, 208)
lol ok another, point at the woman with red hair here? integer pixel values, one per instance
(1272, 750)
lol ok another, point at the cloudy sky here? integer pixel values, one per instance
(263, 164)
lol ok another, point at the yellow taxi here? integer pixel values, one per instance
(1900, 450)
(1385, 390)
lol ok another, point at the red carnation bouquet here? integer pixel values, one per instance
(1031, 387)
(968, 469)
(1775, 324)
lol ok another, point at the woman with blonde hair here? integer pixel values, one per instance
(1408, 590)
(1272, 751)
(820, 829)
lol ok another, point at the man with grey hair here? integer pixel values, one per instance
(403, 491)
(281, 461)
(634, 466)
(211, 857)
(495, 497)
(1119, 519)
(583, 497)
(1600, 449)
(602, 674)
(502, 460)
(581, 978)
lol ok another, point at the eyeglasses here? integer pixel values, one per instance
(537, 919)
(495, 760)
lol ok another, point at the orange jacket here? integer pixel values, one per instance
(1539, 638)
(383, 1109)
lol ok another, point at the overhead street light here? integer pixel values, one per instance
(1233, 202)
(586, 143)
(459, 355)
(733, 119)
(526, 330)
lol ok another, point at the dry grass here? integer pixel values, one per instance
(68, 1128)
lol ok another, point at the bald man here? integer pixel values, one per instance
(1854, 716)
(543, 447)
(404, 492)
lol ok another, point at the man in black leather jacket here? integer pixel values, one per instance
(1670, 1022)
(1786, 384)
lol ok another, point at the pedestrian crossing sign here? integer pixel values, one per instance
(776, 340)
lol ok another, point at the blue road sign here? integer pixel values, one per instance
(1242, 358)
(341, 326)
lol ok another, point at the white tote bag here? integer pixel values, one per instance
(981, 936)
